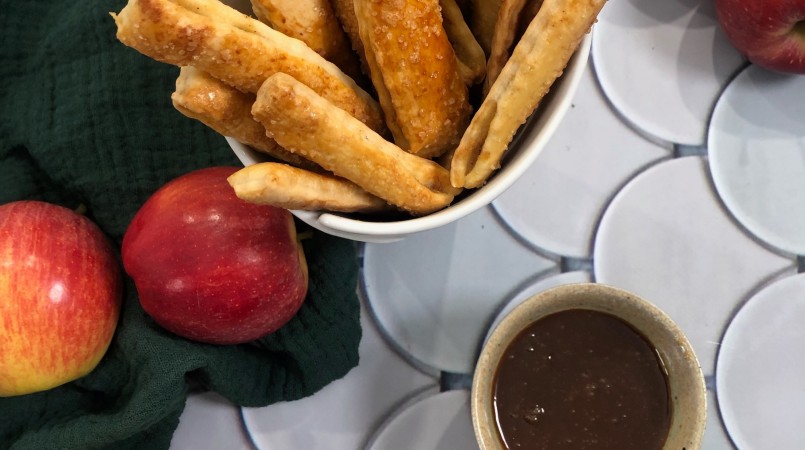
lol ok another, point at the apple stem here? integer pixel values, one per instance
(81, 209)
(799, 29)
(304, 235)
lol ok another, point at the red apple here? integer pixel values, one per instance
(211, 267)
(60, 289)
(771, 33)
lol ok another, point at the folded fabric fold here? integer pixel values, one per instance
(87, 121)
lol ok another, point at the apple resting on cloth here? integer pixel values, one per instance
(771, 33)
(60, 293)
(211, 267)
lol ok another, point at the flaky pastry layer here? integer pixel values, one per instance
(537, 61)
(227, 111)
(236, 49)
(307, 124)
(415, 72)
(289, 187)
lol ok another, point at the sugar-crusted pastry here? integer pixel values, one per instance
(236, 49)
(314, 23)
(415, 72)
(307, 124)
(289, 187)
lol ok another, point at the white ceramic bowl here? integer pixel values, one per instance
(524, 150)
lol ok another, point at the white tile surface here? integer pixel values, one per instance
(439, 422)
(663, 64)
(761, 369)
(558, 201)
(715, 436)
(210, 422)
(757, 155)
(345, 413)
(665, 237)
(435, 292)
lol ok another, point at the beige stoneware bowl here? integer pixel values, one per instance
(684, 375)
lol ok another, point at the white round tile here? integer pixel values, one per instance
(435, 292)
(440, 422)
(662, 64)
(540, 285)
(210, 422)
(760, 377)
(665, 237)
(757, 155)
(345, 413)
(584, 169)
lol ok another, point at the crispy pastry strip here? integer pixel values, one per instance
(227, 111)
(345, 12)
(314, 23)
(538, 59)
(482, 22)
(513, 18)
(415, 72)
(307, 124)
(236, 49)
(470, 55)
(291, 188)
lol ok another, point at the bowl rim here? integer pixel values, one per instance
(617, 302)
(533, 144)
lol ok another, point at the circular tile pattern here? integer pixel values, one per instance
(761, 368)
(662, 64)
(210, 422)
(584, 169)
(434, 293)
(345, 412)
(439, 422)
(757, 155)
(666, 238)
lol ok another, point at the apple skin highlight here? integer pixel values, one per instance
(211, 267)
(60, 293)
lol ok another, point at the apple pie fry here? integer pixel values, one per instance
(484, 15)
(538, 59)
(345, 12)
(415, 72)
(289, 187)
(236, 49)
(227, 111)
(307, 124)
(470, 55)
(314, 23)
(511, 13)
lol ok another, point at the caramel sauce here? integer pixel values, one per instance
(581, 379)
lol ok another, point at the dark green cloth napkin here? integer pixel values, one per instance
(87, 121)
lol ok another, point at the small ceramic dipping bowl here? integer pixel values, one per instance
(684, 386)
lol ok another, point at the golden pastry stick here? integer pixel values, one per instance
(307, 124)
(345, 12)
(415, 72)
(470, 55)
(538, 59)
(288, 187)
(482, 21)
(227, 111)
(236, 49)
(513, 18)
(314, 23)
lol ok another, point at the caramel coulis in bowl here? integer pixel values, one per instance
(581, 379)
